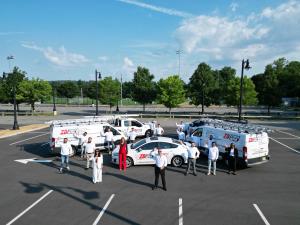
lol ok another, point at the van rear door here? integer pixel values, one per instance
(257, 145)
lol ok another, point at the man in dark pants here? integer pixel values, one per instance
(232, 156)
(161, 163)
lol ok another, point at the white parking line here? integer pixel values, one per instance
(288, 134)
(28, 139)
(104, 209)
(180, 212)
(294, 150)
(30, 207)
(286, 138)
(261, 214)
(46, 143)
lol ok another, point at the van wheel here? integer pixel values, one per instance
(177, 161)
(148, 133)
(129, 162)
(74, 151)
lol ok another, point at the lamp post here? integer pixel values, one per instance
(97, 75)
(54, 105)
(245, 65)
(178, 52)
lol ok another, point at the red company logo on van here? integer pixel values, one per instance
(232, 137)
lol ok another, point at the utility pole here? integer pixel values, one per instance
(97, 75)
(245, 65)
(178, 52)
(121, 90)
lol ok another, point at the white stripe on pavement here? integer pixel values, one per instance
(288, 134)
(180, 212)
(30, 207)
(104, 209)
(261, 214)
(28, 139)
(45, 144)
(287, 138)
(294, 150)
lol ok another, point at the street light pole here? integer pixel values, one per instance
(178, 52)
(97, 75)
(54, 105)
(245, 65)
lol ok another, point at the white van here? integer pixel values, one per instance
(252, 142)
(72, 129)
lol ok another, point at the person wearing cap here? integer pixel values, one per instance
(97, 166)
(193, 154)
(161, 163)
(89, 150)
(65, 151)
(132, 135)
(232, 155)
(159, 130)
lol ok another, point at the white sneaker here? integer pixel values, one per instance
(60, 170)
(68, 168)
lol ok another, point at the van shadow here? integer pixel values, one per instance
(86, 196)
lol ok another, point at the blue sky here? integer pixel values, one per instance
(60, 39)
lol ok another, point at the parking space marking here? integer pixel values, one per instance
(287, 138)
(180, 212)
(261, 214)
(30, 207)
(288, 134)
(294, 150)
(104, 209)
(28, 139)
(46, 143)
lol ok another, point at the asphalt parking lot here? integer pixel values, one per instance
(35, 193)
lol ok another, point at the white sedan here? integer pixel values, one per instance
(139, 152)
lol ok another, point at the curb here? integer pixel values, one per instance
(17, 132)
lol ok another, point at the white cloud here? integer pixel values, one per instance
(171, 12)
(128, 66)
(273, 32)
(60, 57)
(103, 58)
(233, 6)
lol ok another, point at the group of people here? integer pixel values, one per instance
(92, 154)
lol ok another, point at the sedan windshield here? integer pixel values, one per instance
(138, 144)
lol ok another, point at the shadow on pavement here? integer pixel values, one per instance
(128, 179)
(36, 188)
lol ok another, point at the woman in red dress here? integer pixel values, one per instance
(122, 154)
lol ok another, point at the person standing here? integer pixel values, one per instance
(181, 134)
(89, 150)
(82, 140)
(65, 151)
(132, 135)
(109, 140)
(122, 154)
(159, 130)
(193, 154)
(232, 156)
(97, 166)
(161, 163)
(180, 125)
(213, 155)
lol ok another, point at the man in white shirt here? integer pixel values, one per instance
(109, 140)
(159, 130)
(213, 155)
(65, 151)
(132, 135)
(181, 135)
(82, 140)
(180, 125)
(161, 163)
(89, 150)
(193, 155)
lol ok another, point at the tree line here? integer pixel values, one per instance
(206, 86)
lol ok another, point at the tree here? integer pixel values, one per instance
(233, 95)
(289, 80)
(11, 81)
(68, 89)
(144, 88)
(127, 89)
(35, 90)
(171, 91)
(109, 91)
(266, 85)
(201, 84)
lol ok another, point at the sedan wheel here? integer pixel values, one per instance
(177, 161)
(129, 162)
